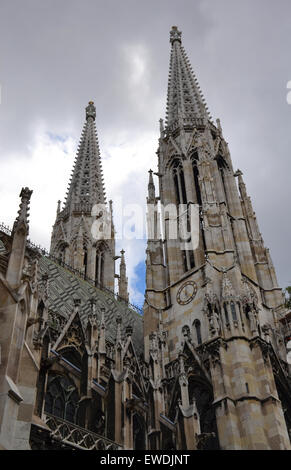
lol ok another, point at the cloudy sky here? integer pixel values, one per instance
(55, 56)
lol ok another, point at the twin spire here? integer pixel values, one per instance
(185, 106)
(185, 103)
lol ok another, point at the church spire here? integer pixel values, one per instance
(73, 240)
(86, 186)
(185, 103)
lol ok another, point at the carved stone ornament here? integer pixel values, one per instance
(249, 295)
(227, 291)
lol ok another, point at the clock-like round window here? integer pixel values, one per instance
(186, 292)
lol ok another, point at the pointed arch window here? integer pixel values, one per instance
(233, 311)
(99, 267)
(181, 198)
(85, 260)
(188, 260)
(179, 182)
(222, 167)
(246, 310)
(197, 326)
(195, 169)
(226, 314)
(58, 407)
(62, 398)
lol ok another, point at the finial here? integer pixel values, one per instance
(122, 261)
(219, 125)
(238, 173)
(16, 267)
(91, 110)
(23, 212)
(175, 35)
(151, 188)
(123, 281)
(151, 181)
(59, 207)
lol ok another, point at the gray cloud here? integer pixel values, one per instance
(55, 56)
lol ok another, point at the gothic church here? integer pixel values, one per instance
(204, 366)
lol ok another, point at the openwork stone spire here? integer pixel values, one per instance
(86, 186)
(74, 240)
(185, 103)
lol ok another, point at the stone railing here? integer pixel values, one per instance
(85, 207)
(81, 438)
(188, 121)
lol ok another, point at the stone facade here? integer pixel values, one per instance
(205, 367)
(218, 304)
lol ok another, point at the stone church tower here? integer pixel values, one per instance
(72, 240)
(211, 308)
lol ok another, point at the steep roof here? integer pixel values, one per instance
(64, 287)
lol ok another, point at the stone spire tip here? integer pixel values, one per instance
(151, 180)
(91, 110)
(175, 35)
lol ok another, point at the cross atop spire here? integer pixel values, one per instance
(86, 186)
(151, 189)
(91, 111)
(175, 35)
(185, 103)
